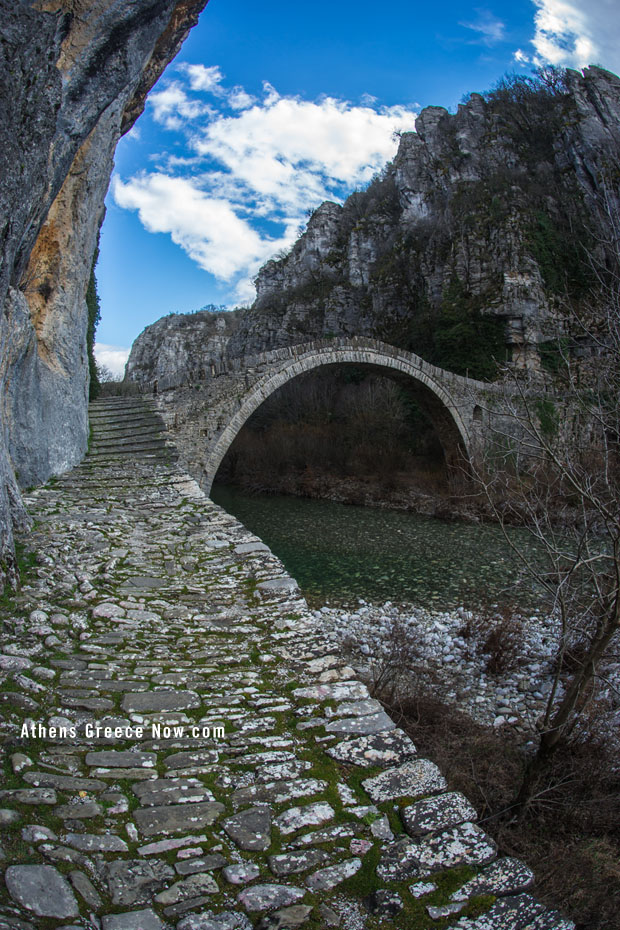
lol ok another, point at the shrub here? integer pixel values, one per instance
(94, 315)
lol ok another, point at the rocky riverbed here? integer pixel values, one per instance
(497, 667)
(447, 649)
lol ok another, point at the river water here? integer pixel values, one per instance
(340, 553)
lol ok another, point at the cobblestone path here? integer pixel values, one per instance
(214, 763)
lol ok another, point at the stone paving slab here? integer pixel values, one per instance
(438, 813)
(520, 912)
(250, 829)
(221, 767)
(42, 890)
(465, 844)
(411, 779)
(176, 818)
(382, 748)
(505, 876)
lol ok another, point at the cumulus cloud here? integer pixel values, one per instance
(113, 358)
(172, 107)
(238, 99)
(207, 228)
(251, 169)
(203, 78)
(296, 152)
(575, 33)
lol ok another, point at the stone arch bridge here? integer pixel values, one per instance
(204, 409)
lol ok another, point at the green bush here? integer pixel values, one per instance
(531, 110)
(553, 355)
(456, 336)
(94, 316)
(561, 258)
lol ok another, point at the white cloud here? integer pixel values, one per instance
(172, 107)
(490, 29)
(203, 78)
(112, 357)
(296, 152)
(207, 228)
(577, 33)
(254, 163)
(238, 99)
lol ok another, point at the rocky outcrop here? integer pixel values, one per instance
(472, 219)
(463, 248)
(170, 345)
(73, 78)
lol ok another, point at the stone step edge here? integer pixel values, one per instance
(136, 401)
(144, 416)
(122, 441)
(99, 455)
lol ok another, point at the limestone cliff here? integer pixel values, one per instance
(176, 341)
(74, 75)
(465, 247)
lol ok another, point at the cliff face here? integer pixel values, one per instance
(180, 341)
(477, 220)
(465, 246)
(74, 75)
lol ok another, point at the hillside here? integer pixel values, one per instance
(464, 250)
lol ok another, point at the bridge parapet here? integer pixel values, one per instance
(247, 363)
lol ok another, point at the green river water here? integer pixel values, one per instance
(340, 553)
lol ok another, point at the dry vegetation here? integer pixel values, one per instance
(569, 833)
(569, 830)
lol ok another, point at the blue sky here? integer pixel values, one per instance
(272, 108)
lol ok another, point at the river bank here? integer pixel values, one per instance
(422, 606)
(496, 666)
(429, 498)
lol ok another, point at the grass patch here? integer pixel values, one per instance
(365, 880)
(26, 560)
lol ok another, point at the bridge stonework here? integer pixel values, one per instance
(204, 409)
(234, 772)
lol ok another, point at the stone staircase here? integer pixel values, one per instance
(127, 426)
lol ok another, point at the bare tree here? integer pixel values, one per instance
(554, 465)
(106, 375)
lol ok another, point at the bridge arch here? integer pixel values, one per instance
(448, 417)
